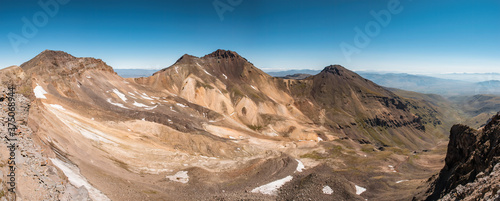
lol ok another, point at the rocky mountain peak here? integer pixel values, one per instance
(55, 61)
(55, 53)
(185, 58)
(335, 69)
(223, 54)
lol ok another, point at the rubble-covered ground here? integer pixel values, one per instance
(36, 178)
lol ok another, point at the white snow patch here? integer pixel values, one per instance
(57, 106)
(319, 139)
(253, 87)
(172, 109)
(327, 190)
(120, 95)
(181, 176)
(145, 96)
(400, 181)
(78, 180)
(300, 166)
(359, 190)
(391, 168)
(177, 69)
(139, 104)
(207, 72)
(130, 93)
(231, 137)
(225, 77)
(150, 108)
(86, 131)
(116, 104)
(88, 77)
(181, 105)
(92, 134)
(272, 134)
(39, 92)
(272, 188)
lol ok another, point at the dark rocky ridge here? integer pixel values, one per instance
(470, 153)
(223, 54)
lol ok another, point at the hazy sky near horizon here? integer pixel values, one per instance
(422, 36)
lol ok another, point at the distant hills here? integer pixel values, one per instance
(135, 73)
(434, 85)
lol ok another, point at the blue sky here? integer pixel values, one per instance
(425, 36)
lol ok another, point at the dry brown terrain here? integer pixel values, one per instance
(218, 128)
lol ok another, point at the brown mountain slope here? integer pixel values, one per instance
(336, 102)
(346, 103)
(217, 126)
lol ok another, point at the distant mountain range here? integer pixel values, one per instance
(135, 73)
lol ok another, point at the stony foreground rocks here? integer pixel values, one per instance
(36, 177)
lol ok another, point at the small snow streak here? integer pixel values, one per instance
(57, 106)
(120, 95)
(300, 166)
(181, 105)
(139, 104)
(181, 176)
(272, 188)
(78, 180)
(116, 104)
(359, 190)
(145, 96)
(327, 190)
(39, 92)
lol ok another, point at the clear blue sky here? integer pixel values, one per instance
(426, 36)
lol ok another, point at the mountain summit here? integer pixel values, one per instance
(335, 69)
(62, 63)
(223, 54)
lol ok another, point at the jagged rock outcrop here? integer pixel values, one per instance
(472, 155)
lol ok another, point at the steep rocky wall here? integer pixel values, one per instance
(472, 154)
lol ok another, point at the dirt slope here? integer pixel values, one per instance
(217, 127)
